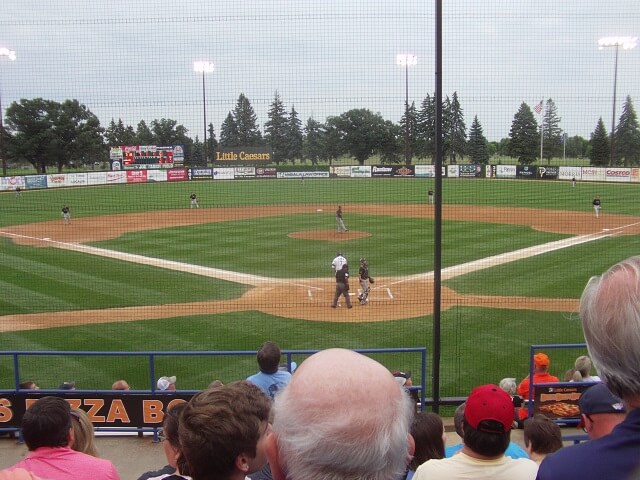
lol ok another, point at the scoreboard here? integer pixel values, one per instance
(144, 157)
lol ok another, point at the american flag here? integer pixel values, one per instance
(538, 107)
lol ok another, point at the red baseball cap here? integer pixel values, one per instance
(489, 402)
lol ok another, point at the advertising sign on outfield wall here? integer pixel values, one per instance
(569, 173)
(36, 181)
(266, 172)
(469, 171)
(223, 173)
(593, 174)
(117, 177)
(177, 175)
(96, 178)
(453, 171)
(244, 172)
(157, 175)
(505, 171)
(618, 174)
(136, 176)
(11, 183)
(549, 172)
(340, 171)
(526, 172)
(57, 180)
(361, 171)
(426, 171)
(200, 173)
(635, 175)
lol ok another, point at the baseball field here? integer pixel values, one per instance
(138, 270)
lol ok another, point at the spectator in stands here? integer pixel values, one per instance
(610, 315)
(513, 450)
(67, 386)
(509, 386)
(47, 431)
(222, 431)
(429, 436)
(83, 433)
(167, 384)
(406, 382)
(487, 423)
(215, 384)
(17, 474)
(600, 410)
(177, 467)
(582, 370)
(120, 385)
(342, 416)
(540, 375)
(270, 379)
(29, 385)
(542, 436)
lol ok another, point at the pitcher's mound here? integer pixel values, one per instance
(328, 235)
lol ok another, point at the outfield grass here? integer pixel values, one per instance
(479, 344)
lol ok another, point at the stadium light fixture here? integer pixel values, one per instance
(11, 55)
(627, 43)
(406, 60)
(204, 67)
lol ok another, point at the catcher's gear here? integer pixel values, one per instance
(363, 262)
(371, 280)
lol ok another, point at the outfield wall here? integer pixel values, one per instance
(516, 172)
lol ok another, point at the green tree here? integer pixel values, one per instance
(118, 134)
(523, 136)
(477, 145)
(229, 132)
(409, 138)
(197, 153)
(294, 136)
(313, 144)
(358, 133)
(426, 129)
(551, 133)
(168, 132)
(276, 129)
(212, 144)
(391, 142)
(600, 151)
(627, 138)
(246, 123)
(457, 131)
(577, 147)
(78, 135)
(144, 135)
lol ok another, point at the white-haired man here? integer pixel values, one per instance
(341, 423)
(610, 314)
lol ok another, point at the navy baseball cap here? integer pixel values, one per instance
(599, 399)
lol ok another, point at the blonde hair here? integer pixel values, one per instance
(83, 433)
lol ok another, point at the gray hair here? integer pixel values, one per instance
(583, 365)
(508, 385)
(352, 442)
(610, 314)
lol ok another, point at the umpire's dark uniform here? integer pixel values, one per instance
(342, 286)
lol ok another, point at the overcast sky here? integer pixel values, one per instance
(133, 59)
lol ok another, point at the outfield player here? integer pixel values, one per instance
(194, 201)
(430, 195)
(340, 223)
(596, 206)
(365, 280)
(66, 215)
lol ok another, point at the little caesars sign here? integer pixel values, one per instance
(243, 155)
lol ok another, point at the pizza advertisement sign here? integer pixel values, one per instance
(559, 402)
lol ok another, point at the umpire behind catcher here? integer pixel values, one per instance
(342, 286)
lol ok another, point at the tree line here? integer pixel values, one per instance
(49, 134)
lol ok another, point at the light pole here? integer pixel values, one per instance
(627, 43)
(204, 67)
(406, 60)
(11, 55)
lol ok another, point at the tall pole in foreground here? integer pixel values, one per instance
(627, 43)
(406, 60)
(204, 67)
(11, 55)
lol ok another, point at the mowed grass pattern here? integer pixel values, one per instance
(478, 344)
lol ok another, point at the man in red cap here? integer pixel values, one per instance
(488, 418)
(540, 375)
